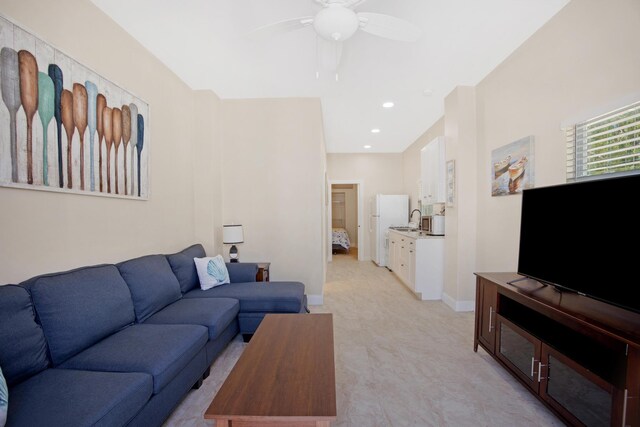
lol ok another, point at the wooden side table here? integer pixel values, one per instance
(263, 272)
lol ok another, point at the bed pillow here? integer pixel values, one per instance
(212, 271)
(4, 400)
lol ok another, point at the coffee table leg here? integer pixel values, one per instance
(322, 423)
(222, 422)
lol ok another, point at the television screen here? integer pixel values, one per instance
(584, 237)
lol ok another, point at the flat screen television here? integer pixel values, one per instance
(584, 237)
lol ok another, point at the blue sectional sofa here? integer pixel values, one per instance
(116, 345)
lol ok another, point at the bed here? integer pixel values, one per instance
(340, 239)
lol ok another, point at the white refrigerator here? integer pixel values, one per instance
(385, 211)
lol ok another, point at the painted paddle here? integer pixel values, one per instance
(29, 98)
(134, 140)
(92, 93)
(46, 99)
(108, 139)
(11, 98)
(116, 123)
(126, 136)
(140, 145)
(80, 122)
(101, 104)
(66, 108)
(56, 76)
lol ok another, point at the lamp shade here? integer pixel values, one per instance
(232, 234)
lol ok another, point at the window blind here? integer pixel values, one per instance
(604, 145)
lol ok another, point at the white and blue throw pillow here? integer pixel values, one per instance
(4, 400)
(212, 271)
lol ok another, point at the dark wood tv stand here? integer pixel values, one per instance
(578, 355)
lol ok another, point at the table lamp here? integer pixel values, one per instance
(232, 234)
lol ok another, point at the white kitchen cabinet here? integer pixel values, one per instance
(391, 262)
(402, 271)
(418, 261)
(432, 171)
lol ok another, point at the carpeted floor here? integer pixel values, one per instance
(399, 361)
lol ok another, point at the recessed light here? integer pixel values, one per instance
(388, 104)
(427, 92)
(375, 130)
(367, 146)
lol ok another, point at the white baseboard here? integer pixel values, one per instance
(315, 299)
(458, 305)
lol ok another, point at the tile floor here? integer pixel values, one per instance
(399, 361)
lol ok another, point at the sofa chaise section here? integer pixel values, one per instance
(256, 299)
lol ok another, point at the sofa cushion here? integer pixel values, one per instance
(214, 313)
(184, 268)
(80, 307)
(152, 283)
(64, 397)
(158, 350)
(23, 350)
(258, 297)
(242, 272)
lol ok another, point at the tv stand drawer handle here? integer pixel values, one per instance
(624, 407)
(490, 319)
(533, 362)
(540, 365)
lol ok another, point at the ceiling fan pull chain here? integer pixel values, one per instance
(337, 59)
(317, 60)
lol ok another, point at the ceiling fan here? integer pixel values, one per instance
(337, 22)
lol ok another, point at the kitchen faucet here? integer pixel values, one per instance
(419, 219)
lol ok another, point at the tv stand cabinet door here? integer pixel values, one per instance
(487, 298)
(520, 351)
(631, 398)
(579, 395)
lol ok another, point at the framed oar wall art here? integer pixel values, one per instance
(65, 128)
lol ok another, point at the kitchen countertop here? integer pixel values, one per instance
(416, 234)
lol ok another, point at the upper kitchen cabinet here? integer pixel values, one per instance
(432, 170)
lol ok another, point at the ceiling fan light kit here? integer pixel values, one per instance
(336, 23)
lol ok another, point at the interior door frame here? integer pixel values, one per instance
(359, 192)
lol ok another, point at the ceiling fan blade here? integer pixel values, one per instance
(389, 27)
(345, 3)
(281, 27)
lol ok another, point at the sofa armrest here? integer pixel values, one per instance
(241, 272)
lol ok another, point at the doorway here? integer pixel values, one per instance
(345, 215)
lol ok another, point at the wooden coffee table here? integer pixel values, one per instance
(285, 377)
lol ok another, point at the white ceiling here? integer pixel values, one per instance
(204, 42)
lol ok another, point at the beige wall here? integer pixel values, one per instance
(578, 65)
(43, 232)
(273, 183)
(461, 219)
(207, 171)
(584, 59)
(411, 163)
(379, 174)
